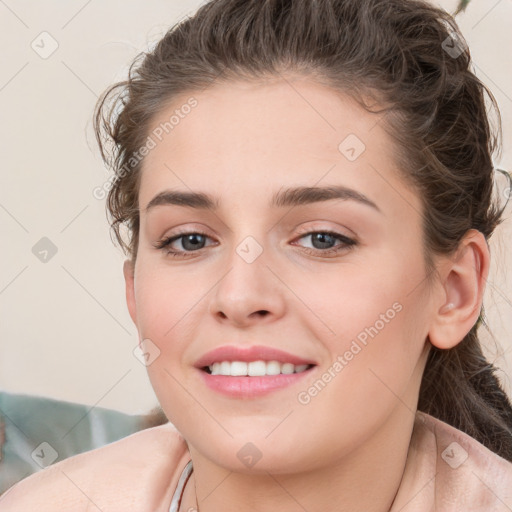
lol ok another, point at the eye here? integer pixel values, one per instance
(323, 241)
(190, 241)
(194, 241)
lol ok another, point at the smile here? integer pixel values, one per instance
(234, 380)
(254, 368)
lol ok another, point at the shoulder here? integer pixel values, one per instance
(138, 472)
(468, 475)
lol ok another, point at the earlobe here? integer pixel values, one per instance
(129, 278)
(463, 279)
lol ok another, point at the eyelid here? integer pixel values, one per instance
(186, 230)
(191, 229)
(323, 229)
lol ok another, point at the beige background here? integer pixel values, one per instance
(65, 329)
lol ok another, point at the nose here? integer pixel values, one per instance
(248, 293)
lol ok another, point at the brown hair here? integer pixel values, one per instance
(405, 54)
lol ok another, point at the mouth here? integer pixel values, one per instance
(250, 372)
(258, 368)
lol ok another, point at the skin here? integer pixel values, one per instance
(345, 449)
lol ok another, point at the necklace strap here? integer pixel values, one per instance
(178, 493)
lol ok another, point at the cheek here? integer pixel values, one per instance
(373, 319)
(171, 306)
(166, 300)
(352, 302)
(371, 368)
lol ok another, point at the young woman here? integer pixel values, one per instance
(307, 190)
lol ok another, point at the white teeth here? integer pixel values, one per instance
(238, 368)
(287, 368)
(273, 368)
(257, 369)
(254, 368)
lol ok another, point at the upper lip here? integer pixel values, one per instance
(254, 353)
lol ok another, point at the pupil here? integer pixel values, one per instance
(321, 237)
(194, 241)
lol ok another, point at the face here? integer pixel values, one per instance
(335, 280)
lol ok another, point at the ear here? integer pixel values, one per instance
(463, 278)
(129, 279)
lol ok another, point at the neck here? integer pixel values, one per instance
(367, 478)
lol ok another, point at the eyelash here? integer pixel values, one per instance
(347, 243)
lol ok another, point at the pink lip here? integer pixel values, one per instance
(251, 387)
(254, 353)
(247, 387)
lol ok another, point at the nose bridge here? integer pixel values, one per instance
(248, 290)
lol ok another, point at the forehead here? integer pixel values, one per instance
(256, 137)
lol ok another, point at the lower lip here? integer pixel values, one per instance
(247, 387)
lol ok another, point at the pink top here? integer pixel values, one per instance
(446, 471)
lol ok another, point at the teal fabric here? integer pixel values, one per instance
(68, 428)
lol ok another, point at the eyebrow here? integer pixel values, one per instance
(284, 198)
